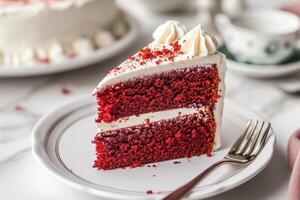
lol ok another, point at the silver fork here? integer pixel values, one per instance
(244, 151)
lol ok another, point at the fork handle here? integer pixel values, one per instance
(183, 190)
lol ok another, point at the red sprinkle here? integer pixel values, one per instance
(73, 55)
(65, 91)
(178, 135)
(194, 133)
(147, 121)
(44, 60)
(19, 108)
(149, 192)
(176, 47)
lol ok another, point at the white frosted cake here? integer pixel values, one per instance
(52, 30)
(164, 102)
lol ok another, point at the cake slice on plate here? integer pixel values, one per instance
(165, 102)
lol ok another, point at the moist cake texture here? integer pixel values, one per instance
(165, 102)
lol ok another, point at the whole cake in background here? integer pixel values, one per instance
(165, 102)
(43, 31)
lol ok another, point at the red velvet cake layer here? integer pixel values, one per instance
(182, 136)
(189, 87)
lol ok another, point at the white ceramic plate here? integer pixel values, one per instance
(292, 65)
(62, 144)
(80, 61)
(263, 71)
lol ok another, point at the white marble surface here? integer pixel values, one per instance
(24, 101)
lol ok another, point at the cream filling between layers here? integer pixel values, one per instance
(158, 116)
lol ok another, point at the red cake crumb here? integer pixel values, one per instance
(65, 91)
(147, 121)
(44, 60)
(177, 162)
(19, 108)
(190, 87)
(72, 55)
(138, 145)
(149, 192)
(178, 135)
(157, 55)
(208, 154)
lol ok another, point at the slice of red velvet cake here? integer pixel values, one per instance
(165, 102)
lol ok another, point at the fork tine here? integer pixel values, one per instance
(254, 139)
(262, 141)
(246, 139)
(237, 144)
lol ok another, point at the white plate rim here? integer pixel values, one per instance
(78, 62)
(40, 153)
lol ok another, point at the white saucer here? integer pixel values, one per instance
(263, 71)
(80, 61)
(62, 144)
(290, 66)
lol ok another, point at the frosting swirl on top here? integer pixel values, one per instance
(168, 33)
(197, 43)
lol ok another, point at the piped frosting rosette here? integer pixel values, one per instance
(195, 43)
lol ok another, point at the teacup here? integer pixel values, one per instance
(260, 36)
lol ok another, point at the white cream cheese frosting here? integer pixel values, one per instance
(36, 31)
(205, 51)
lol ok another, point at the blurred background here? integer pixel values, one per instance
(272, 90)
